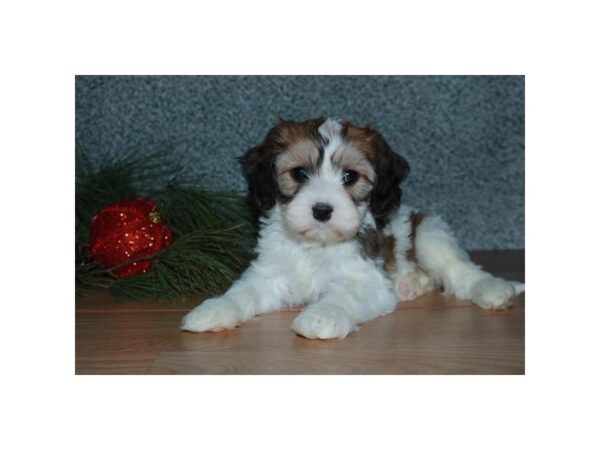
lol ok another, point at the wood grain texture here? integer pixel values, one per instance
(431, 335)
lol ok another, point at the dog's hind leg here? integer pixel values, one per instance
(439, 254)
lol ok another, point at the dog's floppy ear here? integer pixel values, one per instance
(391, 169)
(258, 166)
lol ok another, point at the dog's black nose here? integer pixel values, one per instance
(322, 212)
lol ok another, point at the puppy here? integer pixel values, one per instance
(333, 237)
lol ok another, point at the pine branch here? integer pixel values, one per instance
(212, 231)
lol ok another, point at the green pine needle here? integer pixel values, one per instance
(212, 231)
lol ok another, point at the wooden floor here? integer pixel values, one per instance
(431, 335)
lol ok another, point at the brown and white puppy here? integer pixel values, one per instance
(334, 237)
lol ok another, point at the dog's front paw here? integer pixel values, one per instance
(323, 321)
(215, 314)
(493, 293)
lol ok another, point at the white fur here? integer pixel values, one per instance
(441, 262)
(342, 288)
(302, 261)
(346, 217)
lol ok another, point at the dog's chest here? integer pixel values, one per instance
(309, 270)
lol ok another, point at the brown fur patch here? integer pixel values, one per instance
(298, 144)
(390, 169)
(303, 153)
(415, 220)
(389, 257)
(286, 133)
(374, 245)
(361, 137)
(259, 163)
(370, 242)
(350, 157)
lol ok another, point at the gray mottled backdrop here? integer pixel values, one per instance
(463, 135)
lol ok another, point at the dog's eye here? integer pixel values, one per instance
(300, 174)
(349, 177)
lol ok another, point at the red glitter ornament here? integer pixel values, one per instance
(124, 235)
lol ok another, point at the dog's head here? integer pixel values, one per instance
(325, 175)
